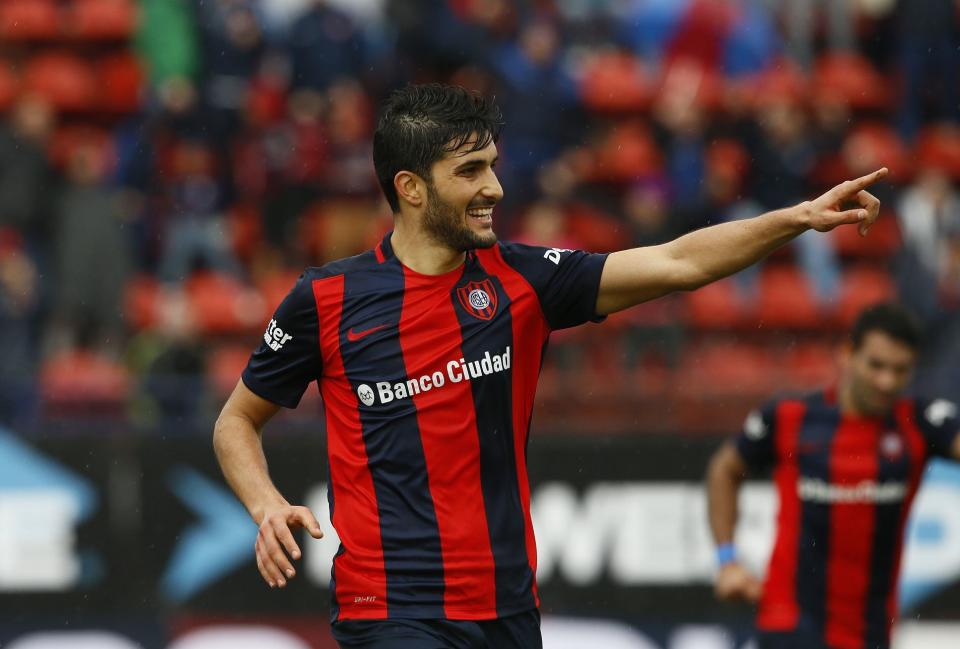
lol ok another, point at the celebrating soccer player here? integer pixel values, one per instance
(846, 462)
(427, 351)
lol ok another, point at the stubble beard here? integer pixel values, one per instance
(445, 225)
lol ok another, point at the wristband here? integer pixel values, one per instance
(726, 553)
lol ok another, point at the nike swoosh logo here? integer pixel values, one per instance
(354, 336)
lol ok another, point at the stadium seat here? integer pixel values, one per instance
(224, 366)
(64, 79)
(67, 139)
(786, 300)
(27, 20)
(716, 306)
(615, 82)
(220, 304)
(627, 153)
(275, 286)
(121, 82)
(873, 145)
(863, 286)
(783, 80)
(727, 367)
(141, 302)
(882, 242)
(808, 365)
(938, 147)
(81, 381)
(851, 79)
(102, 19)
(9, 86)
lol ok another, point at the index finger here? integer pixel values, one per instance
(852, 187)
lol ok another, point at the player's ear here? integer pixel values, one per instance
(410, 188)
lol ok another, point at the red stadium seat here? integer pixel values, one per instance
(615, 82)
(881, 242)
(121, 83)
(716, 306)
(862, 287)
(783, 81)
(809, 365)
(220, 304)
(83, 381)
(720, 368)
(786, 300)
(66, 80)
(142, 302)
(102, 19)
(225, 365)
(9, 86)
(852, 80)
(66, 140)
(627, 152)
(275, 286)
(938, 147)
(873, 145)
(25, 20)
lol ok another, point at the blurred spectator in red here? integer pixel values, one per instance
(930, 62)
(647, 210)
(19, 299)
(92, 253)
(350, 125)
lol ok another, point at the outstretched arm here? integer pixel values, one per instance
(237, 442)
(640, 274)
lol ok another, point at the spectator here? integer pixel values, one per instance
(325, 46)
(19, 299)
(25, 173)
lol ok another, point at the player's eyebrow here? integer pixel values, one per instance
(474, 162)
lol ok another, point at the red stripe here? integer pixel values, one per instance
(917, 450)
(379, 252)
(451, 448)
(779, 610)
(359, 570)
(530, 326)
(853, 460)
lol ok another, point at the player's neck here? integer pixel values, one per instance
(850, 406)
(420, 252)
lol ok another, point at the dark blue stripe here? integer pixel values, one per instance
(886, 536)
(814, 440)
(408, 523)
(493, 402)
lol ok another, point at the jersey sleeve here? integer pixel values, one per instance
(288, 358)
(755, 443)
(937, 420)
(566, 281)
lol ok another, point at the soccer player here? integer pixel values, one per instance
(846, 462)
(427, 351)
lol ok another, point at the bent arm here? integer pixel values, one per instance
(725, 474)
(640, 274)
(239, 448)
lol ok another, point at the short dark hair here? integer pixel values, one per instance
(421, 123)
(889, 318)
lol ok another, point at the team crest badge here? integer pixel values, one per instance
(891, 445)
(479, 299)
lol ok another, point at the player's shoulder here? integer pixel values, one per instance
(935, 412)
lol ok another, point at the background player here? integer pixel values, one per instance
(427, 351)
(847, 462)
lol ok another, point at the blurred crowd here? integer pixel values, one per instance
(141, 249)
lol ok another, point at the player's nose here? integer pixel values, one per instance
(491, 188)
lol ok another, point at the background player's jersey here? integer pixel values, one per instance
(428, 384)
(845, 485)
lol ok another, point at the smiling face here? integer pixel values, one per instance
(461, 197)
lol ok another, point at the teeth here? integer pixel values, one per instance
(483, 211)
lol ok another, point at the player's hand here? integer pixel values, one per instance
(847, 203)
(275, 543)
(734, 582)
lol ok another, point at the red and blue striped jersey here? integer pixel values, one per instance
(845, 485)
(428, 385)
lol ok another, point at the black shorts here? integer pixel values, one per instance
(520, 631)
